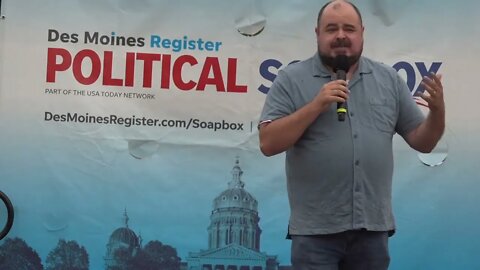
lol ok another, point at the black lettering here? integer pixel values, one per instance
(74, 38)
(141, 42)
(72, 117)
(48, 116)
(53, 35)
(113, 119)
(64, 37)
(91, 38)
(195, 123)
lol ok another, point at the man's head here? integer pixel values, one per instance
(339, 32)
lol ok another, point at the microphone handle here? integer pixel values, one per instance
(341, 111)
(341, 106)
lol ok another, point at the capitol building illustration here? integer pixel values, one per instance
(233, 233)
(233, 236)
(121, 238)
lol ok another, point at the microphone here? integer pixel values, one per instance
(341, 65)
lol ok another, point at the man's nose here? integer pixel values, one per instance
(341, 34)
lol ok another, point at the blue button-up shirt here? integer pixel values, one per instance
(339, 174)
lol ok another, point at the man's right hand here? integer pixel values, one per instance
(282, 133)
(334, 91)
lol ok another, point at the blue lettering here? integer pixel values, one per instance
(424, 72)
(155, 41)
(191, 45)
(411, 76)
(266, 74)
(410, 71)
(178, 45)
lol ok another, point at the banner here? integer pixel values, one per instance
(129, 131)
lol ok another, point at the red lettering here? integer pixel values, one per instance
(148, 59)
(232, 78)
(211, 63)
(177, 72)
(166, 64)
(53, 66)
(130, 69)
(87, 66)
(77, 67)
(107, 70)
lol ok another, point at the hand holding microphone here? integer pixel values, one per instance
(331, 92)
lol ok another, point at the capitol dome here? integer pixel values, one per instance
(122, 238)
(234, 218)
(235, 195)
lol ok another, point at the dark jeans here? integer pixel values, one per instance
(350, 250)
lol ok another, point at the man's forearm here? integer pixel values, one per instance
(281, 134)
(426, 135)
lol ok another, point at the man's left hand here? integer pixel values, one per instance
(434, 88)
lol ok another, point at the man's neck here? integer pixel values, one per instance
(352, 70)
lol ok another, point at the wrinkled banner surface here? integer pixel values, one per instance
(130, 124)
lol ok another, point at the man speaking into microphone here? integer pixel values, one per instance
(339, 173)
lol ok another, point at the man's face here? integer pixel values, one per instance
(339, 32)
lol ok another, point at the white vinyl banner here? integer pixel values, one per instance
(129, 131)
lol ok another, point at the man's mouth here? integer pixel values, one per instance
(341, 44)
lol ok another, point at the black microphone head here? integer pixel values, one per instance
(341, 62)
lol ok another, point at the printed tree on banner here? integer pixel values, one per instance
(122, 257)
(156, 255)
(67, 255)
(15, 254)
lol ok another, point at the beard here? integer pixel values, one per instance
(328, 60)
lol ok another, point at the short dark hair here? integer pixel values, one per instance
(320, 13)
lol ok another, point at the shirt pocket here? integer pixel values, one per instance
(383, 114)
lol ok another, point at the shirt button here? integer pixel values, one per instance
(351, 114)
(357, 162)
(355, 136)
(357, 188)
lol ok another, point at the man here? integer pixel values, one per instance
(339, 173)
